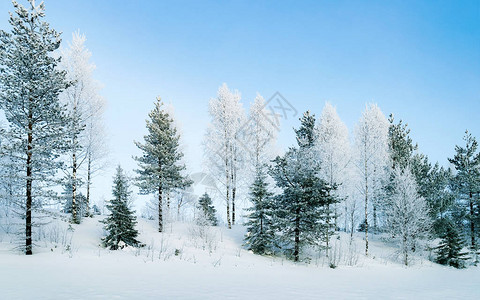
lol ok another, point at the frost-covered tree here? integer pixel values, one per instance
(466, 183)
(120, 224)
(160, 169)
(449, 251)
(371, 157)
(261, 135)
(301, 207)
(85, 107)
(406, 212)
(30, 85)
(260, 236)
(207, 211)
(334, 153)
(223, 147)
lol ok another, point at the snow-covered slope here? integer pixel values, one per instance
(190, 262)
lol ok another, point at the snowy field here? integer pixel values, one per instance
(210, 264)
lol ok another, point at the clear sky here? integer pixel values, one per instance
(417, 59)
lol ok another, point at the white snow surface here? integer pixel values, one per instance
(71, 265)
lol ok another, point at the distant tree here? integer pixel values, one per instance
(449, 251)
(85, 107)
(300, 211)
(260, 236)
(160, 168)
(466, 183)
(120, 224)
(30, 85)
(406, 213)
(207, 210)
(371, 157)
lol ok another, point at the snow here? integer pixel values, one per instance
(87, 271)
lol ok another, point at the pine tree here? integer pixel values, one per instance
(160, 170)
(466, 183)
(207, 211)
(260, 236)
(120, 224)
(30, 85)
(300, 207)
(449, 251)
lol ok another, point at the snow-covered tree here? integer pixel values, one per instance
(85, 107)
(466, 183)
(223, 147)
(406, 212)
(207, 211)
(120, 224)
(160, 170)
(261, 135)
(30, 85)
(300, 208)
(371, 156)
(260, 236)
(335, 155)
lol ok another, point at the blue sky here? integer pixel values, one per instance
(417, 59)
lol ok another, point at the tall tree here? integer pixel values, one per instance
(85, 107)
(223, 148)
(335, 155)
(120, 224)
(260, 236)
(300, 208)
(466, 182)
(406, 212)
(371, 151)
(160, 169)
(30, 84)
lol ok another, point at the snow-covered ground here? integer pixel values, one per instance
(188, 262)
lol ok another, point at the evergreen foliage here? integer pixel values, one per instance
(449, 252)
(207, 211)
(120, 224)
(160, 168)
(31, 84)
(466, 184)
(260, 236)
(300, 207)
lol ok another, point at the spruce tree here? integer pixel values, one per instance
(300, 207)
(207, 211)
(160, 168)
(449, 251)
(30, 85)
(260, 236)
(120, 224)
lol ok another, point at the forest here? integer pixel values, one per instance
(332, 186)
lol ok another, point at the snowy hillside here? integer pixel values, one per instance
(210, 263)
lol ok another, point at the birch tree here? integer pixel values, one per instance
(30, 86)
(223, 147)
(334, 153)
(85, 107)
(371, 157)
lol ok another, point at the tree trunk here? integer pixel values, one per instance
(75, 217)
(472, 222)
(296, 252)
(375, 219)
(28, 216)
(227, 177)
(89, 178)
(160, 209)
(366, 209)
